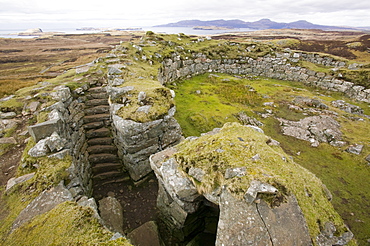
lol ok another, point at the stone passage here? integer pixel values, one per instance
(106, 166)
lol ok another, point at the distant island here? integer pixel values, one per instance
(256, 25)
(211, 28)
(35, 32)
(109, 29)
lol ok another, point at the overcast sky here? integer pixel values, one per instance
(23, 14)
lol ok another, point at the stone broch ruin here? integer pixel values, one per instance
(106, 148)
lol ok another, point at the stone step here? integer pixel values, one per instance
(102, 158)
(98, 89)
(98, 133)
(100, 149)
(105, 167)
(100, 141)
(107, 175)
(115, 180)
(103, 109)
(96, 102)
(96, 117)
(97, 96)
(94, 125)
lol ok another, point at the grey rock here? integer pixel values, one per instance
(256, 128)
(235, 172)
(111, 213)
(4, 99)
(45, 129)
(116, 92)
(147, 234)
(8, 115)
(347, 107)
(327, 237)
(45, 202)
(273, 142)
(197, 173)
(239, 223)
(91, 203)
(33, 106)
(368, 158)
(117, 82)
(61, 154)
(144, 109)
(355, 149)
(14, 181)
(285, 223)
(40, 149)
(141, 97)
(116, 236)
(61, 93)
(112, 70)
(55, 142)
(314, 129)
(258, 187)
(9, 140)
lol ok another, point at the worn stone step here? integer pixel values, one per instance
(105, 167)
(96, 102)
(96, 117)
(100, 149)
(94, 125)
(98, 133)
(100, 141)
(97, 96)
(115, 180)
(102, 158)
(98, 89)
(102, 109)
(107, 175)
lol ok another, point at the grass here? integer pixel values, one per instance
(346, 175)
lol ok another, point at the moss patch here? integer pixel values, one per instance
(234, 146)
(158, 98)
(66, 224)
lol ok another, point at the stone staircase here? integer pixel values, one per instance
(106, 166)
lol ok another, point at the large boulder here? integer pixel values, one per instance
(263, 196)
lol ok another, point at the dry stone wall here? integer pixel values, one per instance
(277, 66)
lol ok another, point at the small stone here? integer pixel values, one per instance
(141, 97)
(258, 187)
(9, 140)
(8, 115)
(235, 172)
(355, 149)
(40, 149)
(21, 179)
(145, 109)
(197, 173)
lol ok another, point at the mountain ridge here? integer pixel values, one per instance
(257, 25)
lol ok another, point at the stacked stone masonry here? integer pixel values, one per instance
(278, 66)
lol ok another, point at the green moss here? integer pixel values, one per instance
(234, 146)
(13, 104)
(157, 96)
(315, 67)
(66, 224)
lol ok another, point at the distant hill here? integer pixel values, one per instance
(258, 25)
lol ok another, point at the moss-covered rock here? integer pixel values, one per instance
(236, 147)
(66, 224)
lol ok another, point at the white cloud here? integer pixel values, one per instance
(148, 12)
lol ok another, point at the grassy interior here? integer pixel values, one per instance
(346, 175)
(239, 145)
